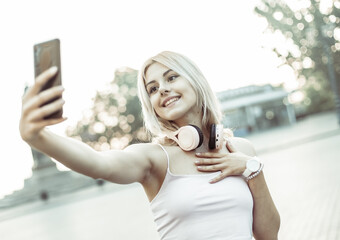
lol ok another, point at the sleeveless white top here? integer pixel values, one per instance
(189, 207)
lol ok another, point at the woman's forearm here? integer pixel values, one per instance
(266, 217)
(73, 154)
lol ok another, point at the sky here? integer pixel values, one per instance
(224, 38)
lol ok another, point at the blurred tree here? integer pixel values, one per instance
(115, 119)
(312, 47)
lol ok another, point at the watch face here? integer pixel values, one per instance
(253, 165)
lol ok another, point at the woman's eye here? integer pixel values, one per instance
(152, 89)
(173, 77)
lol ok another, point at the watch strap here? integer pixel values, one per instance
(247, 172)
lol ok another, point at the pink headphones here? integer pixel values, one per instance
(190, 137)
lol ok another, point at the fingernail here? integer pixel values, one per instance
(197, 162)
(199, 154)
(53, 69)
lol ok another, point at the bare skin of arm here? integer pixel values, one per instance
(125, 166)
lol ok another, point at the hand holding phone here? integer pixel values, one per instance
(47, 55)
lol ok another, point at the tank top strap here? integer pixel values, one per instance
(167, 155)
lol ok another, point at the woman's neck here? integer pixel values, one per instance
(193, 118)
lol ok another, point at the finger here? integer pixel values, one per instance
(46, 96)
(43, 97)
(40, 81)
(210, 154)
(210, 168)
(54, 121)
(208, 161)
(48, 122)
(220, 177)
(230, 146)
(46, 110)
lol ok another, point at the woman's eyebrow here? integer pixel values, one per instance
(164, 74)
(150, 83)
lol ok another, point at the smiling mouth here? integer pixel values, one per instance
(167, 103)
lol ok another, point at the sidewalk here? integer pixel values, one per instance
(309, 129)
(302, 165)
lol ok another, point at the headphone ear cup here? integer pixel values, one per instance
(216, 136)
(200, 135)
(212, 138)
(188, 137)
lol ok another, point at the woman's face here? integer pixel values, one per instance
(171, 95)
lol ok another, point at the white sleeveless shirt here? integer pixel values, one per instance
(188, 207)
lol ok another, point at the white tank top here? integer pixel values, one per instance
(189, 207)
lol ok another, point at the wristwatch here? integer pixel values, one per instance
(252, 166)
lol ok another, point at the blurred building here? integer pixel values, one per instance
(254, 108)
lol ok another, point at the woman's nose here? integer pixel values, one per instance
(164, 89)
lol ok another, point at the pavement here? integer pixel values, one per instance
(302, 165)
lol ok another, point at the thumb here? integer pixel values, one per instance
(230, 146)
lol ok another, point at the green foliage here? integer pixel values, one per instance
(115, 119)
(312, 41)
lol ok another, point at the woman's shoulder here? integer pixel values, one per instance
(152, 151)
(144, 148)
(243, 145)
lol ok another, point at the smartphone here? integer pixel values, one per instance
(46, 55)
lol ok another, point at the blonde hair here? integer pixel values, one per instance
(186, 68)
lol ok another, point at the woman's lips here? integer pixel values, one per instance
(170, 100)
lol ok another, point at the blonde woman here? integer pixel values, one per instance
(200, 186)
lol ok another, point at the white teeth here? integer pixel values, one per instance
(170, 101)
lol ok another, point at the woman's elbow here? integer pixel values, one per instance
(277, 225)
(271, 231)
(275, 228)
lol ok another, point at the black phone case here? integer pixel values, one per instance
(46, 55)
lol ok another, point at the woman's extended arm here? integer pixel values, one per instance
(115, 166)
